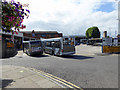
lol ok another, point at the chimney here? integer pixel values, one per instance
(105, 34)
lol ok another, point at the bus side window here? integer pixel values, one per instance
(57, 45)
(48, 44)
(26, 45)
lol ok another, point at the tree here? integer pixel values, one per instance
(93, 32)
(13, 15)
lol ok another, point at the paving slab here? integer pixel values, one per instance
(45, 83)
(21, 77)
(88, 50)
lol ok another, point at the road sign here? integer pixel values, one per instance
(115, 41)
(107, 41)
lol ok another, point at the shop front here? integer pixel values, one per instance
(10, 44)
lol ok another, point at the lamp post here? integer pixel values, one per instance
(119, 17)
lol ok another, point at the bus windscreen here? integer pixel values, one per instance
(36, 44)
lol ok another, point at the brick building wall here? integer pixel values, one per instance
(41, 34)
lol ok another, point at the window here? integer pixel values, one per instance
(48, 44)
(26, 45)
(66, 42)
(35, 44)
(57, 44)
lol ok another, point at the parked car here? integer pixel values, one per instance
(97, 44)
(77, 43)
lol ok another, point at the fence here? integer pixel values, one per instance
(110, 49)
(110, 45)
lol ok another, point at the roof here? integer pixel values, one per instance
(51, 39)
(7, 33)
(95, 39)
(55, 39)
(39, 31)
(30, 41)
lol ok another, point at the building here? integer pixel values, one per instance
(79, 39)
(105, 34)
(118, 35)
(32, 35)
(10, 43)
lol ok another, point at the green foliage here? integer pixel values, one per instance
(93, 32)
(76, 36)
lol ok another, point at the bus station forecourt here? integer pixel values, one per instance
(31, 77)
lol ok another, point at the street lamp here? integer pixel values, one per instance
(118, 1)
(119, 17)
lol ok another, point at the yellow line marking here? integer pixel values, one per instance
(64, 81)
(57, 80)
(21, 71)
(60, 79)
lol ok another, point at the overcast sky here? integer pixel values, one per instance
(72, 17)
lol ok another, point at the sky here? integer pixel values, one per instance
(72, 17)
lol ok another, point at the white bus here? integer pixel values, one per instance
(59, 46)
(33, 47)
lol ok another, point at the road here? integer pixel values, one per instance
(86, 71)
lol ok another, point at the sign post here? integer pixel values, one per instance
(115, 41)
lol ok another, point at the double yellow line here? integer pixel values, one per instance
(57, 79)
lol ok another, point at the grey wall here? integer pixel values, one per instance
(0, 48)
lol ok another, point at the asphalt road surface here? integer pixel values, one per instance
(90, 71)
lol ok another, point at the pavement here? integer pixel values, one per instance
(21, 77)
(89, 50)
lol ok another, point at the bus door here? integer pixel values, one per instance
(26, 47)
(57, 47)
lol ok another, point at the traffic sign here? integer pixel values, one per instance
(107, 41)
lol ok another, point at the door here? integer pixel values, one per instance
(57, 48)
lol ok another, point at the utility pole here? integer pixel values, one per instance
(119, 17)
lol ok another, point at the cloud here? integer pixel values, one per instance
(70, 16)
